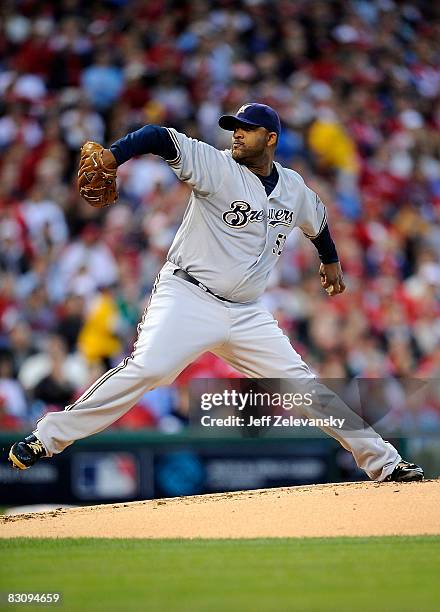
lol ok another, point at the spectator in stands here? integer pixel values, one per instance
(13, 405)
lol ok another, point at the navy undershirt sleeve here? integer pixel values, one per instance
(326, 247)
(149, 139)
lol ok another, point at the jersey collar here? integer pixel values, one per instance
(276, 190)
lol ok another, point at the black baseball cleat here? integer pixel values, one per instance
(27, 452)
(405, 472)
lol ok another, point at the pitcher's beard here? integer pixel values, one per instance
(241, 157)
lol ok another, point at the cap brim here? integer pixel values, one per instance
(230, 122)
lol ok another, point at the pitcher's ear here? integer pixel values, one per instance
(272, 139)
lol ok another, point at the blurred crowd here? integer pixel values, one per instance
(357, 86)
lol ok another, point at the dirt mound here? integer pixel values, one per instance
(349, 509)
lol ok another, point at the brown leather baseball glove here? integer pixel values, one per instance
(96, 175)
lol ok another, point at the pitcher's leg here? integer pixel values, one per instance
(103, 403)
(259, 349)
(374, 455)
(175, 329)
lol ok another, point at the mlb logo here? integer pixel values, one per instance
(105, 475)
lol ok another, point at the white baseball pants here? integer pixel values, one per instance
(180, 323)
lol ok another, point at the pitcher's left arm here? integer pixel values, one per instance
(312, 220)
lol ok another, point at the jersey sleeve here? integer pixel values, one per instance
(312, 214)
(197, 163)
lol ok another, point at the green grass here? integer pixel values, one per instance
(341, 574)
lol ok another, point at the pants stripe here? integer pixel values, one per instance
(96, 386)
(88, 394)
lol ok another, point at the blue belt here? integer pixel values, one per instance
(182, 274)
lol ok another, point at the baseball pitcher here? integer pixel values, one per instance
(242, 207)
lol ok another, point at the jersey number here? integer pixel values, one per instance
(279, 244)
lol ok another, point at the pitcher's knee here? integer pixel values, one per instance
(154, 372)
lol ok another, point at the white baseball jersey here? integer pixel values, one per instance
(232, 233)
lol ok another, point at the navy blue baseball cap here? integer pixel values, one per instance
(258, 115)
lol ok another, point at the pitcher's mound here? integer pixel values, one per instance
(349, 509)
